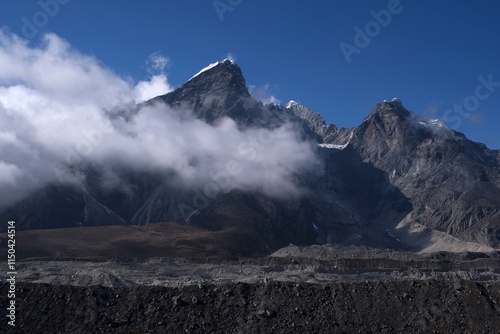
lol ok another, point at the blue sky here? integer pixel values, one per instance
(432, 56)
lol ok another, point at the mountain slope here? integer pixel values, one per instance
(218, 92)
(395, 181)
(452, 183)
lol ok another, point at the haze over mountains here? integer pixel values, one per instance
(210, 156)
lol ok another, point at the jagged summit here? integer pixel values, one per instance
(389, 120)
(313, 119)
(209, 67)
(393, 118)
(222, 75)
(393, 107)
(217, 90)
(291, 104)
(393, 100)
(220, 79)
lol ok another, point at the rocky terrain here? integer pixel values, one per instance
(276, 307)
(315, 265)
(451, 182)
(317, 289)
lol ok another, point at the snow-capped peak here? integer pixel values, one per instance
(291, 104)
(393, 100)
(212, 66)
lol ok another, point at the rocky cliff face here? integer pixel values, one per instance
(220, 92)
(215, 93)
(394, 181)
(452, 183)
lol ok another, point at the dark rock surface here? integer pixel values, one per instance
(274, 223)
(452, 183)
(314, 120)
(317, 289)
(273, 307)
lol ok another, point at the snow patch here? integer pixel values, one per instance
(433, 123)
(334, 146)
(395, 99)
(212, 66)
(437, 122)
(291, 104)
(435, 126)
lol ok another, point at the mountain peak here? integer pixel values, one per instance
(290, 104)
(388, 121)
(393, 100)
(394, 106)
(226, 61)
(390, 108)
(220, 78)
(217, 90)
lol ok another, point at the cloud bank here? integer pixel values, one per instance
(55, 116)
(264, 94)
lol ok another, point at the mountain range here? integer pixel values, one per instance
(395, 181)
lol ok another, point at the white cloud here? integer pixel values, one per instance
(431, 109)
(264, 94)
(157, 63)
(145, 90)
(53, 103)
(230, 57)
(57, 71)
(158, 83)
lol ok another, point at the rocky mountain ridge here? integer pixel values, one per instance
(394, 181)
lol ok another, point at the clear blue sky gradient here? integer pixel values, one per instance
(430, 55)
